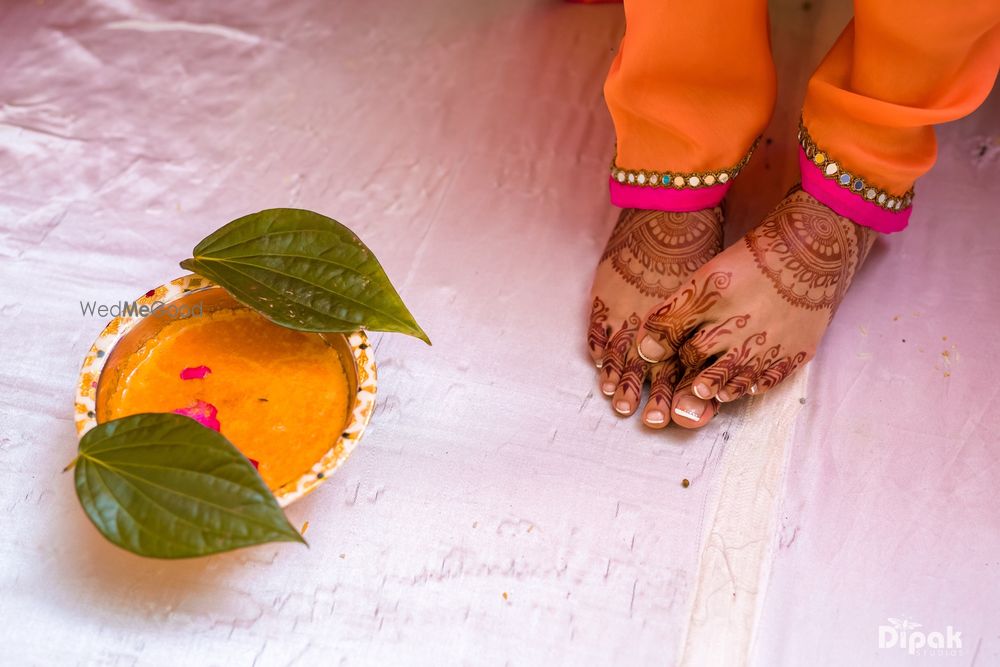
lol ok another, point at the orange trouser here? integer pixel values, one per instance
(693, 83)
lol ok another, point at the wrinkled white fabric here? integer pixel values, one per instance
(739, 530)
(467, 144)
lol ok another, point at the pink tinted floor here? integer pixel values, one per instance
(497, 510)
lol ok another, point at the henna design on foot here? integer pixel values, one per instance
(779, 370)
(597, 334)
(655, 251)
(699, 347)
(661, 386)
(671, 322)
(649, 255)
(616, 352)
(809, 253)
(747, 377)
(732, 363)
(633, 377)
(791, 273)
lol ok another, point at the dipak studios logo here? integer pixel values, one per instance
(905, 635)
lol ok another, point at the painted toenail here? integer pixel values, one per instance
(608, 388)
(693, 416)
(700, 390)
(753, 389)
(690, 408)
(599, 363)
(650, 350)
(623, 407)
(722, 396)
(654, 417)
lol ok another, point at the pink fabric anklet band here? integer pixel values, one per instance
(850, 204)
(667, 199)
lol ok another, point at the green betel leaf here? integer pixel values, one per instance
(304, 271)
(164, 486)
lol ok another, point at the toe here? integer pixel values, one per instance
(610, 374)
(662, 379)
(744, 383)
(651, 349)
(710, 341)
(710, 381)
(737, 388)
(689, 411)
(778, 371)
(629, 391)
(597, 332)
(616, 354)
(743, 358)
(669, 324)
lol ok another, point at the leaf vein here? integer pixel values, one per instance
(369, 306)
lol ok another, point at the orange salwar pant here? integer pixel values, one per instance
(693, 86)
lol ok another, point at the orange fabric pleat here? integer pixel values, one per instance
(693, 83)
(897, 70)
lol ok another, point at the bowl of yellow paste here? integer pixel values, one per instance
(294, 403)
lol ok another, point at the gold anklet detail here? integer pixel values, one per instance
(848, 180)
(679, 180)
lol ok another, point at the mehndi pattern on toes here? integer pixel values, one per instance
(648, 256)
(689, 411)
(663, 378)
(757, 311)
(597, 332)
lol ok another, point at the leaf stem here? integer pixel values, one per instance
(71, 463)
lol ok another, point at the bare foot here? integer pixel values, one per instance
(649, 255)
(757, 311)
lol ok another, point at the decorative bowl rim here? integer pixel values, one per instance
(365, 373)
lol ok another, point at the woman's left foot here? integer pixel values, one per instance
(757, 311)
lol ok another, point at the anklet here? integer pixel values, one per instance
(858, 185)
(679, 180)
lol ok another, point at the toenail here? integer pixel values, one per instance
(654, 417)
(650, 350)
(599, 363)
(722, 397)
(608, 388)
(700, 390)
(690, 408)
(753, 389)
(623, 407)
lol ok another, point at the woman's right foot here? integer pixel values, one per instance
(649, 255)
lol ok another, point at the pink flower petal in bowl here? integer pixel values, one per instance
(195, 372)
(203, 413)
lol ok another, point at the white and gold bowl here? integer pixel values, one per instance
(124, 335)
